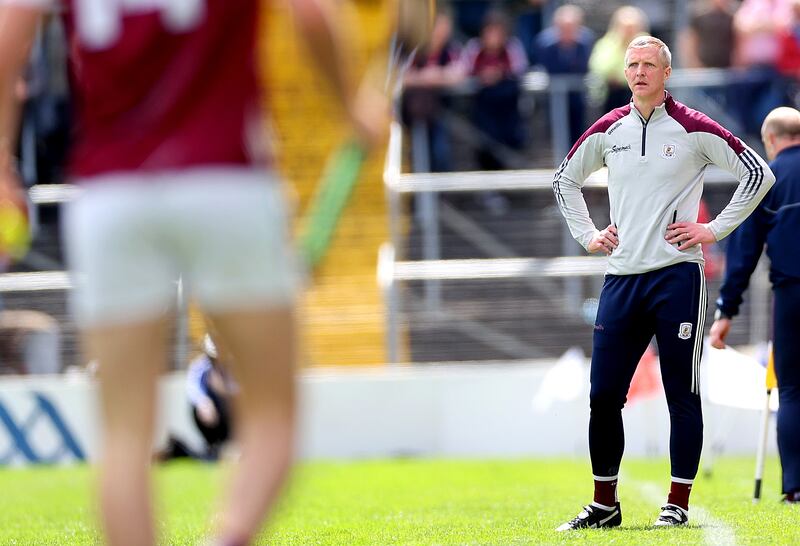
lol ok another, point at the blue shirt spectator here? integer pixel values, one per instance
(564, 49)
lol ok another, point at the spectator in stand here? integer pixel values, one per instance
(433, 69)
(789, 56)
(470, 14)
(598, 14)
(564, 49)
(758, 25)
(659, 16)
(608, 56)
(709, 18)
(45, 123)
(496, 61)
(529, 23)
(30, 342)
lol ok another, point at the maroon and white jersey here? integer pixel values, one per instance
(162, 84)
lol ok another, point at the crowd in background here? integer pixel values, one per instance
(484, 49)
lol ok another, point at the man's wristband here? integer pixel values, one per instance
(719, 315)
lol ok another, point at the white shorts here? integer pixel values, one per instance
(224, 231)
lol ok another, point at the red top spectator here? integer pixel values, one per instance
(789, 48)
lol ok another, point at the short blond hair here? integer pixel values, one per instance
(651, 41)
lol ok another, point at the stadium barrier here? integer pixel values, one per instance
(528, 409)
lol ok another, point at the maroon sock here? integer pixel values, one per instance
(605, 491)
(679, 494)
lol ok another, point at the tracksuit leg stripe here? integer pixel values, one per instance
(698, 334)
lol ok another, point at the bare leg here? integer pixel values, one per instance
(130, 359)
(262, 346)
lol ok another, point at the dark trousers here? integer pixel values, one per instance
(787, 369)
(220, 432)
(669, 303)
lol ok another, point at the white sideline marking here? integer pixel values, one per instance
(715, 532)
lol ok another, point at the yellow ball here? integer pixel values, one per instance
(15, 237)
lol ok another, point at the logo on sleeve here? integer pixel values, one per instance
(685, 330)
(616, 149)
(668, 152)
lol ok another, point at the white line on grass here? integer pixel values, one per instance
(715, 532)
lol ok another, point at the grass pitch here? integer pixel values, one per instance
(417, 502)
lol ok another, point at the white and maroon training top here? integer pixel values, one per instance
(655, 177)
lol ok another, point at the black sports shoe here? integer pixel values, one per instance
(592, 517)
(791, 498)
(671, 516)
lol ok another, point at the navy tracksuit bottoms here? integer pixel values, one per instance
(787, 369)
(669, 303)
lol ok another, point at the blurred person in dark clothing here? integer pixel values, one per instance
(708, 41)
(496, 61)
(775, 224)
(530, 21)
(564, 49)
(758, 25)
(433, 69)
(470, 14)
(210, 389)
(46, 117)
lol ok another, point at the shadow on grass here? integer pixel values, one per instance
(650, 527)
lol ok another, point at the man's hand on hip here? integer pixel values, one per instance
(688, 234)
(604, 241)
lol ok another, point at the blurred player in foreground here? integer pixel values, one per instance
(656, 150)
(776, 223)
(178, 180)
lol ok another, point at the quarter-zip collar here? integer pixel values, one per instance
(657, 111)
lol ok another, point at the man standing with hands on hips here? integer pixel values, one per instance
(656, 151)
(776, 223)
